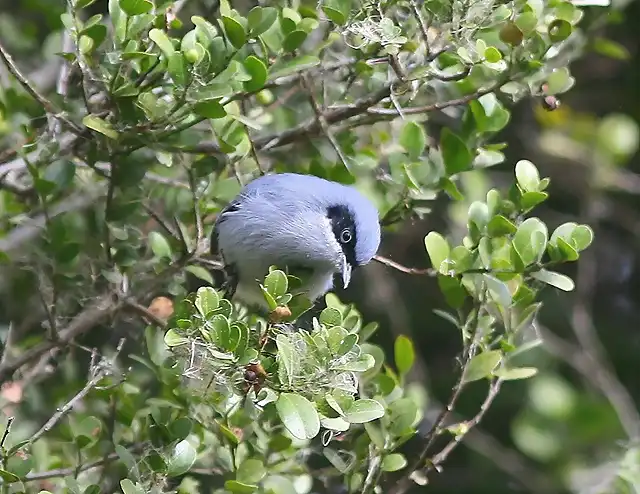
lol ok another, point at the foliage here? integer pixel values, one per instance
(108, 189)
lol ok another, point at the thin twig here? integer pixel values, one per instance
(440, 105)
(440, 458)
(317, 109)
(404, 269)
(44, 102)
(197, 217)
(468, 353)
(85, 320)
(145, 313)
(104, 368)
(424, 30)
(63, 472)
(373, 472)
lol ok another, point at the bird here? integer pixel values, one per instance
(313, 227)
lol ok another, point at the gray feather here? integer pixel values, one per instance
(282, 220)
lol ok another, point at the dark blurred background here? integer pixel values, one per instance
(565, 430)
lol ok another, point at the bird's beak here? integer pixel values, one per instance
(346, 272)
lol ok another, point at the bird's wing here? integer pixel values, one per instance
(232, 207)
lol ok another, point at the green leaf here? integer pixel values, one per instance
(500, 226)
(239, 487)
(276, 283)
(201, 273)
(334, 15)
(438, 250)
(159, 245)
(85, 45)
(554, 279)
(287, 359)
(362, 364)
(210, 109)
(182, 459)
(9, 477)
(259, 74)
(260, 19)
(404, 354)
(492, 54)
(515, 373)
(559, 30)
(128, 487)
(298, 415)
(181, 428)
(177, 68)
(126, 457)
(393, 462)
(364, 411)
(530, 241)
(293, 40)
(136, 7)
(482, 365)
(582, 237)
(559, 81)
(298, 64)
(456, 155)
(529, 200)
(207, 300)
(610, 49)
(499, 290)
(235, 32)
(450, 187)
(250, 471)
(161, 39)
(402, 415)
(221, 331)
(338, 460)
(413, 139)
(99, 125)
(527, 176)
(331, 317)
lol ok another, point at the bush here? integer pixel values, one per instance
(108, 192)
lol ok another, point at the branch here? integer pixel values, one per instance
(45, 103)
(441, 457)
(312, 127)
(84, 321)
(317, 109)
(63, 472)
(468, 353)
(102, 370)
(440, 105)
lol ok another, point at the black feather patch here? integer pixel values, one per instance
(344, 229)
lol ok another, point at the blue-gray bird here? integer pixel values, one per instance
(300, 222)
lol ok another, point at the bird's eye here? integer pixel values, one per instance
(345, 236)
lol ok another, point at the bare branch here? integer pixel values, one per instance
(83, 322)
(45, 103)
(103, 369)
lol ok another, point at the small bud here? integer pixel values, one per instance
(511, 34)
(265, 97)
(280, 313)
(550, 102)
(161, 307)
(191, 55)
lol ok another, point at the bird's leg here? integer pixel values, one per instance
(231, 284)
